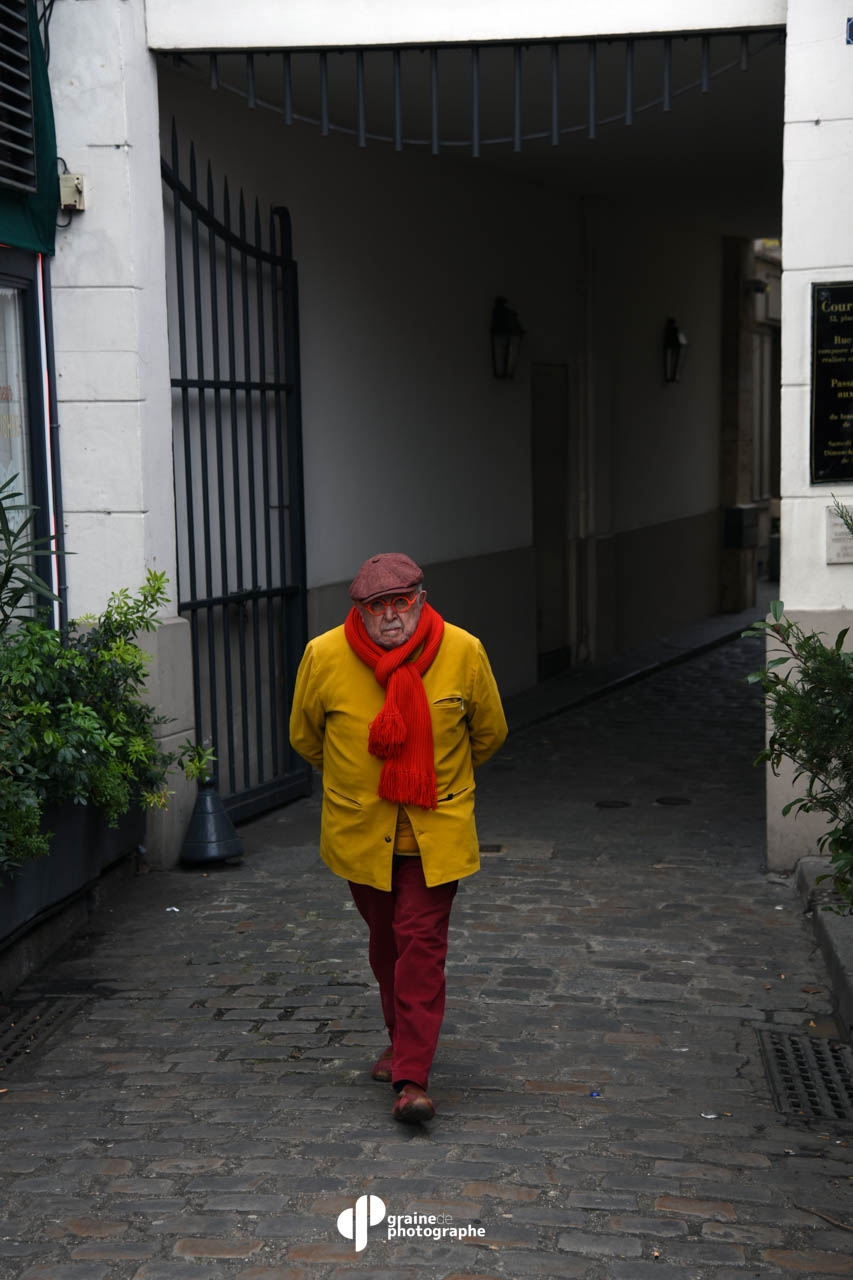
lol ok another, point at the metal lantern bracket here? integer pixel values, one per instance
(506, 333)
(674, 350)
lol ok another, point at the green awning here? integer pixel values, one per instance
(28, 219)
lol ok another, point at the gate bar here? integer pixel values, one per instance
(220, 464)
(250, 486)
(398, 103)
(555, 94)
(475, 102)
(202, 423)
(235, 463)
(265, 463)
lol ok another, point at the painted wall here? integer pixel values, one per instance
(212, 24)
(656, 445)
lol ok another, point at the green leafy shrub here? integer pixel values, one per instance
(21, 837)
(79, 693)
(808, 687)
(74, 722)
(21, 589)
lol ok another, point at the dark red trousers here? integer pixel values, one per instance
(408, 948)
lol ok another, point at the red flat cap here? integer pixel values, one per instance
(383, 574)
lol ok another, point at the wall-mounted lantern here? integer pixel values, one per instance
(506, 334)
(674, 351)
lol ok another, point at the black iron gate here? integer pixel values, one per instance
(233, 334)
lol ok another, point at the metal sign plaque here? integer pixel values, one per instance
(832, 383)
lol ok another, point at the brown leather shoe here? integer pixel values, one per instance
(413, 1105)
(382, 1066)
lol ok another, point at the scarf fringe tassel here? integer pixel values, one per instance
(403, 786)
(387, 734)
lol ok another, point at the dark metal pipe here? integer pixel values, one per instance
(475, 102)
(250, 81)
(744, 52)
(324, 95)
(433, 78)
(59, 576)
(398, 102)
(359, 93)
(516, 98)
(287, 88)
(555, 94)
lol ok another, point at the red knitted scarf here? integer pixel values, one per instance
(401, 735)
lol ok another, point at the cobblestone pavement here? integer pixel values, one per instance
(603, 1109)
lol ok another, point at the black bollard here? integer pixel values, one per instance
(211, 836)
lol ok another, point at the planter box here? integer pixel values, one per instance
(81, 847)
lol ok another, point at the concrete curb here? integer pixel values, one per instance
(833, 934)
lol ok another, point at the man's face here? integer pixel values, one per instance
(389, 627)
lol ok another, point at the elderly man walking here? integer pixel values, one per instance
(397, 708)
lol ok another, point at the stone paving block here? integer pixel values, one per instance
(238, 1202)
(201, 1247)
(661, 1228)
(272, 1273)
(67, 1271)
(168, 1269)
(113, 1252)
(146, 1208)
(590, 1244)
(188, 1223)
(655, 1270)
(811, 1262)
(225, 1182)
(743, 1233)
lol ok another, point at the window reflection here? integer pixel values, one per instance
(14, 410)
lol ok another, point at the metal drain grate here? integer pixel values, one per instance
(26, 1028)
(810, 1078)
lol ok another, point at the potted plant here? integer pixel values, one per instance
(78, 754)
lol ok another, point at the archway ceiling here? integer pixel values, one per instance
(715, 155)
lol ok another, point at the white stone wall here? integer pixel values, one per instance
(109, 305)
(817, 240)
(114, 399)
(211, 24)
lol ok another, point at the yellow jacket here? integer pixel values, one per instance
(336, 698)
